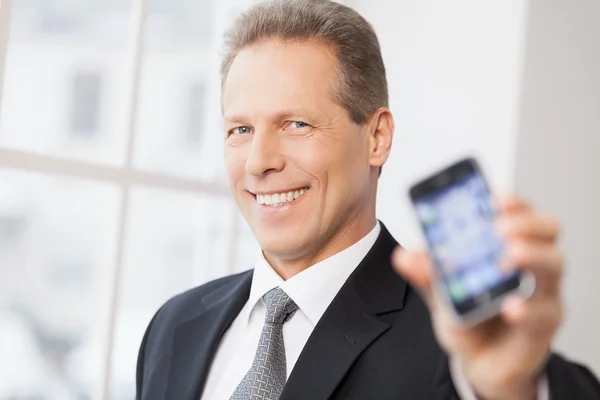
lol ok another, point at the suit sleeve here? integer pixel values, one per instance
(466, 392)
(139, 374)
(569, 381)
(563, 380)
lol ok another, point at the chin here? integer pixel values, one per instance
(281, 245)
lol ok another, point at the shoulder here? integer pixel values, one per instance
(156, 345)
(187, 304)
(569, 380)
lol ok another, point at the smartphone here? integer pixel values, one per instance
(456, 212)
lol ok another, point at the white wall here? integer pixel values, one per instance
(455, 72)
(454, 69)
(558, 159)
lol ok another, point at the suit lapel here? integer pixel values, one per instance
(196, 340)
(349, 325)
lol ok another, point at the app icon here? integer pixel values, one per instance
(457, 290)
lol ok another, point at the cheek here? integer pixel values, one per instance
(336, 157)
(348, 171)
(337, 166)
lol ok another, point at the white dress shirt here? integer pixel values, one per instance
(312, 290)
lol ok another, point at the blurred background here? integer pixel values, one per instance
(113, 195)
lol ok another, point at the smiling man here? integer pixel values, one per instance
(324, 314)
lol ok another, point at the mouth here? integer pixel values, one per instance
(279, 199)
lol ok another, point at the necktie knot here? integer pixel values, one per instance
(279, 306)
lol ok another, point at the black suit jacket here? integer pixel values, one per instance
(374, 341)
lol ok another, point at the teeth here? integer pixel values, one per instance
(279, 199)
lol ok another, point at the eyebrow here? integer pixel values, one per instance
(286, 114)
(232, 118)
(279, 116)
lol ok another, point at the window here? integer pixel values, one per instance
(96, 234)
(86, 104)
(64, 78)
(55, 275)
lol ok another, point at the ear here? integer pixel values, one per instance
(381, 128)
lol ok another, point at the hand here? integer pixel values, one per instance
(502, 358)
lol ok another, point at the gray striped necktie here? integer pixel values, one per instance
(266, 378)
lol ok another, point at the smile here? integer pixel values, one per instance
(279, 199)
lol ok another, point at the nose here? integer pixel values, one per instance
(265, 155)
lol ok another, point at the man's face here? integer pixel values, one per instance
(298, 166)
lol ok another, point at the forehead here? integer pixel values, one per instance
(276, 75)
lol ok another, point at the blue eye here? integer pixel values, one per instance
(298, 124)
(241, 130)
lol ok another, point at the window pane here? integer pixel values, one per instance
(174, 241)
(65, 79)
(175, 72)
(56, 257)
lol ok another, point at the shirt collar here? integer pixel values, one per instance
(314, 288)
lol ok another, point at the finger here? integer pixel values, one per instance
(531, 225)
(417, 269)
(542, 316)
(512, 203)
(544, 260)
(514, 310)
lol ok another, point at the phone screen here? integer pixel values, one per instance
(457, 214)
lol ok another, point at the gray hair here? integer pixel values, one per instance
(361, 85)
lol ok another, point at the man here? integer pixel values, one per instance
(324, 315)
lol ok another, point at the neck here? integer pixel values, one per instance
(341, 239)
